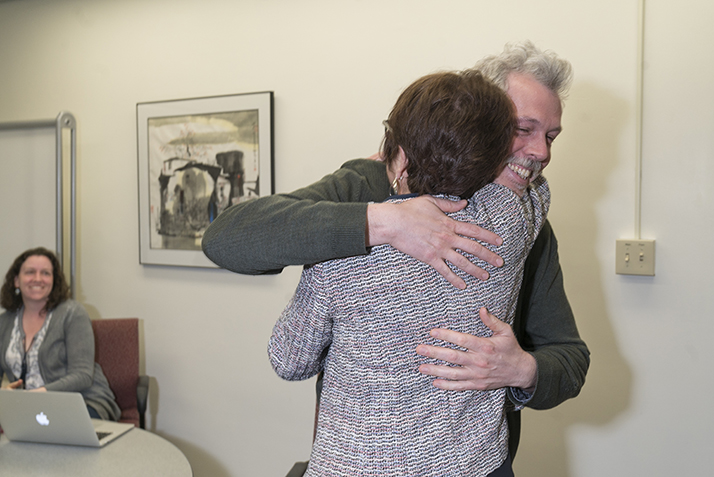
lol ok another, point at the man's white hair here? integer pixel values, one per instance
(546, 67)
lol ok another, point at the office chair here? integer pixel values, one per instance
(116, 344)
(299, 468)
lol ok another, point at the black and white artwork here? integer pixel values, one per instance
(198, 157)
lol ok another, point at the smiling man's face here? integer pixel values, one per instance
(538, 111)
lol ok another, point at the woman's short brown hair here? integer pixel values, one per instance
(456, 129)
(60, 290)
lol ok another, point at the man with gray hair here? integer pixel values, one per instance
(541, 360)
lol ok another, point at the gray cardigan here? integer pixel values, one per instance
(66, 357)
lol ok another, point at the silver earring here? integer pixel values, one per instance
(17, 291)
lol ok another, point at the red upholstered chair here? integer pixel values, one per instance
(116, 344)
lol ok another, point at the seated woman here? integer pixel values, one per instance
(360, 319)
(46, 339)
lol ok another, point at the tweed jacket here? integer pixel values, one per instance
(361, 318)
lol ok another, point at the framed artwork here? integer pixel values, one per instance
(197, 157)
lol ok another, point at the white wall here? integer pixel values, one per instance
(336, 69)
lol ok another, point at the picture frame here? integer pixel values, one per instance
(196, 157)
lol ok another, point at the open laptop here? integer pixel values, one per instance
(54, 418)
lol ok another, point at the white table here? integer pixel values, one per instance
(137, 453)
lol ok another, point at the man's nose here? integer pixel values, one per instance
(538, 148)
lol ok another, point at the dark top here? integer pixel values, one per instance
(327, 220)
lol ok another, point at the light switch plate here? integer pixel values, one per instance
(635, 257)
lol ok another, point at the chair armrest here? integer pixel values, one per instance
(298, 469)
(142, 394)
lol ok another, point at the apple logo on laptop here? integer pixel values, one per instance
(42, 419)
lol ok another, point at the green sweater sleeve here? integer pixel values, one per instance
(545, 326)
(323, 221)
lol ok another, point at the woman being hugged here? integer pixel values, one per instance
(46, 338)
(360, 319)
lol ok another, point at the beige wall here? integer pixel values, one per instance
(336, 68)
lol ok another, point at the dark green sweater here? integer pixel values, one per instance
(327, 220)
